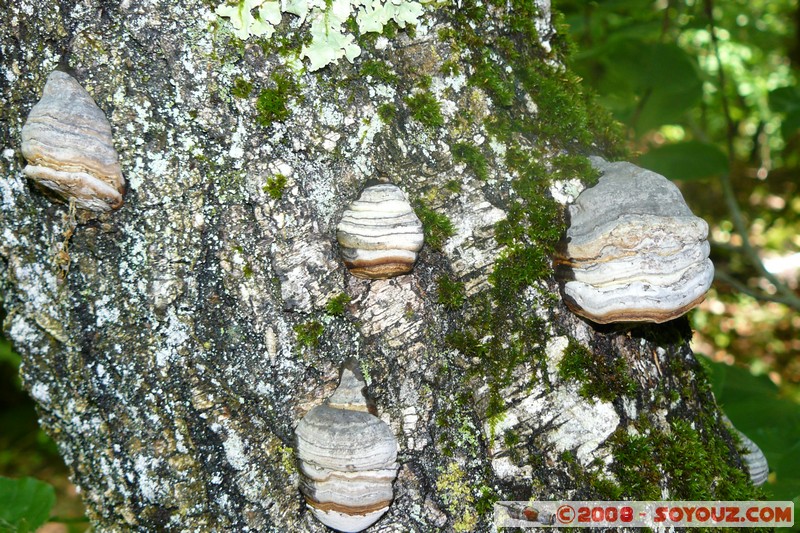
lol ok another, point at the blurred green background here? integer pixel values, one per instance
(707, 94)
(27, 452)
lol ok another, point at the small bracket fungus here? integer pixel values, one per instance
(67, 142)
(379, 233)
(754, 459)
(633, 252)
(347, 457)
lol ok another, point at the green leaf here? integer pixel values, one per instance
(773, 423)
(648, 84)
(7, 353)
(790, 124)
(785, 99)
(25, 504)
(685, 161)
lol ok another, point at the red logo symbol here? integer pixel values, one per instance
(565, 514)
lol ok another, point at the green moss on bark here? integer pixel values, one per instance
(379, 71)
(697, 464)
(547, 123)
(471, 155)
(437, 227)
(425, 108)
(387, 113)
(451, 292)
(337, 305)
(516, 72)
(603, 376)
(309, 333)
(272, 102)
(275, 186)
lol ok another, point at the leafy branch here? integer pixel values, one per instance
(787, 296)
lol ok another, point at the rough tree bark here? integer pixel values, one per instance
(172, 346)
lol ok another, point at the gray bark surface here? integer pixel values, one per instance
(161, 342)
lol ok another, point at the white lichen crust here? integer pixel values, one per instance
(68, 144)
(634, 252)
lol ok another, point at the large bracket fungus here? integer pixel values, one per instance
(67, 142)
(347, 457)
(633, 252)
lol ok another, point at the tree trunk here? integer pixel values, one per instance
(173, 345)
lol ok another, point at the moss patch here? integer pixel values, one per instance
(603, 376)
(437, 227)
(501, 339)
(242, 88)
(451, 293)
(425, 108)
(453, 186)
(271, 105)
(387, 113)
(424, 82)
(471, 155)
(635, 466)
(275, 186)
(309, 333)
(336, 306)
(696, 464)
(379, 71)
(512, 68)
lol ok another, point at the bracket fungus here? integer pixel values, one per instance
(379, 234)
(633, 252)
(754, 459)
(347, 457)
(69, 148)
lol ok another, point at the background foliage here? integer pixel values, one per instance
(25, 450)
(707, 91)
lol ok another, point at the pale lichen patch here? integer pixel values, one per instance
(41, 393)
(330, 41)
(105, 311)
(565, 191)
(583, 426)
(148, 481)
(554, 349)
(11, 187)
(234, 450)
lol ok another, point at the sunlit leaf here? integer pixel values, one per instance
(25, 504)
(648, 84)
(691, 160)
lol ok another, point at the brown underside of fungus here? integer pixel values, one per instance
(69, 148)
(347, 457)
(379, 234)
(633, 252)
